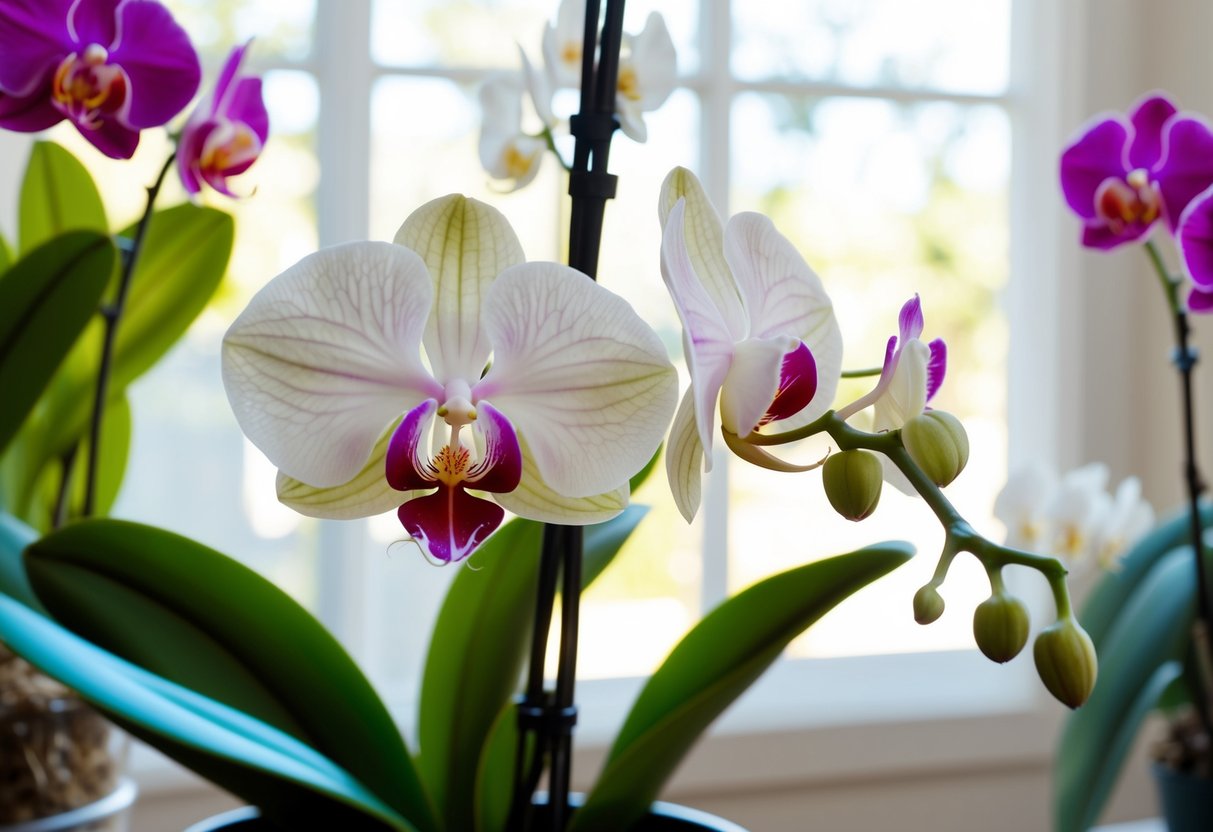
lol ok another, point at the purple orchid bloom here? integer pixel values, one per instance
(1120, 176)
(1196, 246)
(111, 67)
(226, 133)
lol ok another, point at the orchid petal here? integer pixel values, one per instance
(580, 375)
(405, 467)
(906, 395)
(784, 296)
(535, 500)
(35, 37)
(707, 342)
(797, 385)
(449, 524)
(631, 120)
(1200, 301)
(1021, 503)
(499, 468)
(752, 382)
(1187, 165)
(1196, 240)
(909, 320)
(366, 495)
(157, 55)
(540, 90)
(1098, 154)
(94, 21)
(28, 115)
(1098, 234)
(937, 367)
(684, 459)
(326, 355)
(465, 244)
(562, 44)
(704, 242)
(1148, 118)
(655, 60)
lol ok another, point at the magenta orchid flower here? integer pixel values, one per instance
(1196, 246)
(324, 371)
(111, 67)
(910, 377)
(226, 133)
(1122, 175)
(759, 333)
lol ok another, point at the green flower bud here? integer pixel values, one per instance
(937, 442)
(1066, 662)
(1000, 626)
(928, 604)
(853, 480)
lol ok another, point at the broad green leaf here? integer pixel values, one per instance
(57, 195)
(6, 256)
(111, 462)
(46, 300)
(495, 774)
(476, 657)
(14, 537)
(208, 623)
(185, 253)
(714, 664)
(288, 779)
(1103, 608)
(1150, 634)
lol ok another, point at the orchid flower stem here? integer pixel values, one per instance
(1184, 358)
(112, 313)
(959, 534)
(864, 373)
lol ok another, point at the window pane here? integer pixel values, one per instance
(884, 200)
(951, 45)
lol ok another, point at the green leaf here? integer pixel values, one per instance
(46, 300)
(476, 657)
(111, 462)
(714, 664)
(57, 195)
(6, 256)
(208, 623)
(1104, 606)
(495, 774)
(1137, 663)
(289, 780)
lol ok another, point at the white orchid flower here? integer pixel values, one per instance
(562, 44)
(910, 377)
(506, 152)
(648, 72)
(1076, 509)
(759, 332)
(325, 373)
(1021, 507)
(1126, 519)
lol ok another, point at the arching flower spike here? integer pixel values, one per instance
(227, 131)
(1123, 174)
(759, 332)
(324, 371)
(111, 67)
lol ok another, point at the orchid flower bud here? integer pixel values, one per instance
(852, 481)
(1066, 662)
(928, 604)
(1000, 627)
(938, 444)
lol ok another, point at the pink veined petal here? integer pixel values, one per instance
(1148, 118)
(1098, 154)
(327, 355)
(582, 378)
(752, 383)
(1196, 240)
(937, 367)
(94, 21)
(797, 385)
(36, 39)
(28, 115)
(157, 55)
(1187, 165)
(405, 466)
(449, 524)
(684, 460)
(1098, 234)
(500, 468)
(709, 343)
(910, 322)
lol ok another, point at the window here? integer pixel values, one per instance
(878, 135)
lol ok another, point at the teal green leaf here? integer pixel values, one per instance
(210, 624)
(1103, 607)
(57, 195)
(46, 300)
(714, 664)
(14, 537)
(288, 779)
(1150, 633)
(476, 657)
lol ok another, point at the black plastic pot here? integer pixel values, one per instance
(663, 817)
(1187, 800)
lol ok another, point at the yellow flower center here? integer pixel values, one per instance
(86, 88)
(628, 85)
